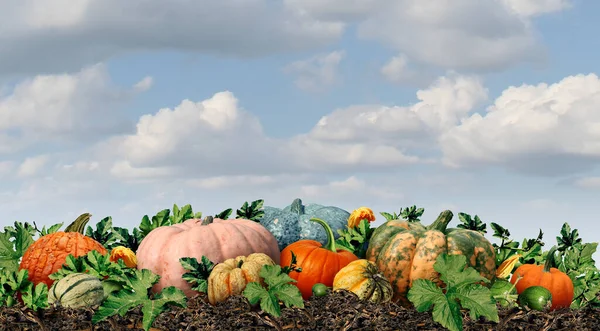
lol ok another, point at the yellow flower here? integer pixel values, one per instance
(125, 254)
(507, 266)
(359, 215)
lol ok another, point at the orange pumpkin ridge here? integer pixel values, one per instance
(557, 282)
(319, 263)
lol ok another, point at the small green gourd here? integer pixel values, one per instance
(76, 290)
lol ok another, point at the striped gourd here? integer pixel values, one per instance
(405, 251)
(76, 290)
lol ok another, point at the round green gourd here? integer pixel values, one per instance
(76, 290)
(292, 223)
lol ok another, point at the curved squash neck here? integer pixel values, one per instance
(330, 245)
(441, 223)
(79, 223)
(549, 259)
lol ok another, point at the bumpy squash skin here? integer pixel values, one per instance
(231, 276)
(76, 290)
(362, 278)
(406, 251)
(47, 254)
(292, 223)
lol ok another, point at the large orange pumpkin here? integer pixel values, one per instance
(557, 282)
(48, 253)
(216, 239)
(319, 263)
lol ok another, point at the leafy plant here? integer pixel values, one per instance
(224, 214)
(471, 223)
(411, 214)
(137, 294)
(198, 273)
(462, 289)
(575, 259)
(355, 239)
(104, 233)
(111, 274)
(12, 283)
(530, 250)
(183, 214)
(14, 241)
(253, 211)
(164, 218)
(52, 229)
(130, 240)
(35, 297)
(292, 267)
(278, 288)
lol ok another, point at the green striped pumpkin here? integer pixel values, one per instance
(76, 290)
(404, 251)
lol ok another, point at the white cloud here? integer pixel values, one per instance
(541, 129)
(316, 73)
(351, 187)
(396, 69)
(460, 34)
(32, 166)
(588, 182)
(537, 7)
(67, 108)
(49, 35)
(144, 84)
(6, 168)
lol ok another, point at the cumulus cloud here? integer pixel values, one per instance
(51, 35)
(66, 108)
(316, 73)
(32, 165)
(539, 129)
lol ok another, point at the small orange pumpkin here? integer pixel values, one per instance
(557, 282)
(48, 253)
(319, 263)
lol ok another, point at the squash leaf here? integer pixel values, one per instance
(35, 297)
(14, 241)
(462, 289)
(160, 219)
(126, 299)
(293, 266)
(104, 233)
(224, 214)
(253, 211)
(183, 214)
(278, 289)
(52, 229)
(355, 239)
(129, 240)
(410, 214)
(12, 283)
(198, 273)
(471, 223)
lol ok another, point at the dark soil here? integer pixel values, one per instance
(337, 311)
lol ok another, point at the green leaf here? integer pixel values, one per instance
(126, 299)
(470, 223)
(36, 297)
(278, 288)
(13, 244)
(158, 220)
(253, 211)
(224, 215)
(198, 272)
(463, 289)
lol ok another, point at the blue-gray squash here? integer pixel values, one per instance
(291, 223)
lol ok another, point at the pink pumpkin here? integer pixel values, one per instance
(216, 239)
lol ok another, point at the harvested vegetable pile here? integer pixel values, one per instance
(340, 310)
(336, 273)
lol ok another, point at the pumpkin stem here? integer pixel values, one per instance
(441, 223)
(207, 220)
(550, 259)
(330, 245)
(79, 223)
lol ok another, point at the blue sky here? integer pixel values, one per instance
(488, 107)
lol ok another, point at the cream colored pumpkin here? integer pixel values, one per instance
(231, 276)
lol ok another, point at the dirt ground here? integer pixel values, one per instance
(336, 311)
